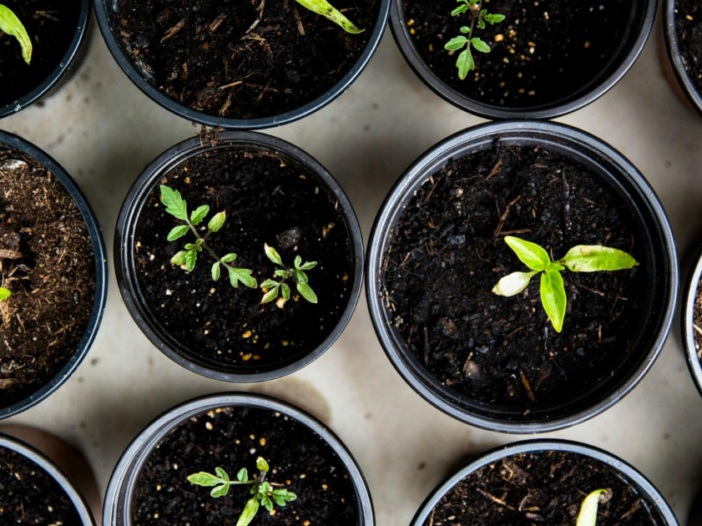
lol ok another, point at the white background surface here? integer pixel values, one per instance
(104, 131)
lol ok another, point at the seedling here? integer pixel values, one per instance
(4, 294)
(187, 259)
(12, 26)
(582, 258)
(271, 288)
(588, 509)
(264, 493)
(466, 41)
(325, 9)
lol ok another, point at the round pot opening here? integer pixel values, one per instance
(630, 491)
(125, 493)
(519, 408)
(259, 86)
(544, 62)
(692, 308)
(272, 193)
(25, 259)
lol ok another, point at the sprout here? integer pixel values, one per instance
(271, 287)
(325, 9)
(12, 26)
(588, 509)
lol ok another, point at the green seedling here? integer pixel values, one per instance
(265, 493)
(588, 509)
(4, 294)
(272, 288)
(325, 9)
(12, 26)
(467, 40)
(187, 259)
(582, 258)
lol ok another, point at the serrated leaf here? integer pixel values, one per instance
(267, 502)
(588, 509)
(513, 284)
(190, 260)
(531, 254)
(242, 275)
(249, 512)
(174, 203)
(306, 292)
(494, 19)
(480, 45)
(220, 491)
(456, 43)
(179, 258)
(325, 9)
(270, 295)
(262, 465)
(465, 63)
(12, 26)
(199, 214)
(285, 495)
(222, 474)
(595, 258)
(269, 284)
(178, 232)
(229, 258)
(309, 265)
(216, 222)
(553, 297)
(243, 475)
(273, 255)
(4, 293)
(204, 479)
(285, 291)
(216, 271)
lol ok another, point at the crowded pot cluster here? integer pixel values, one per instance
(521, 275)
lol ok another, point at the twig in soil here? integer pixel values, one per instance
(525, 383)
(495, 169)
(298, 20)
(494, 499)
(589, 289)
(697, 328)
(504, 215)
(253, 26)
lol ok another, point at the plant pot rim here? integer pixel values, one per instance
(53, 470)
(434, 393)
(533, 446)
(258, 123)
(116, 511)
(100, 258)
(687, 320)
(672, 46)
(58, 72)
(125, 267)
(489, 111)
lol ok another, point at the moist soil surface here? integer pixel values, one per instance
(47, 263)
(688, 24)
(542, 488)
(30, 496)
(447, 252)
(241, 58)
(233, 438)
(541, 53)
(267, 200)
(51, 25)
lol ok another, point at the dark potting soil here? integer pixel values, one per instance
(542, 488)
(688, 24)
(241, 58)
(51, 25)
(233, 438)
(543, 51)
(47, 263)
(267, 200)
(30, 496)
(447, 252)
(697, 322)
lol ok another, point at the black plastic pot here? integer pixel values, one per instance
(126, 270)
(626, 181)
(673, 48)
(120, 491)
(98, 246)
(628, 472)
(639, 30)
(105, 9)
(687, 320)
(68, 63)
(49, 467)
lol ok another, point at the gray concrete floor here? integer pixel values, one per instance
(104, 132)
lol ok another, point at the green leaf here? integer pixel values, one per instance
(217, 222)
(12, 26)
(198, 215)
(465, 30)
(553, 297)
(175, 205)
(298, 261)
(216, 271)
(300, 276)
(481, 23)
(283, 496)
(309, 265)
(595, 258)
(4, 293)
(190, 260)
(588, 509)
(222, 474)
(531, 254)
(273, 255)
(249, 512)
(262, 465)
(494, 19)
(325, 9)
(265, 488)
(513, 284)
(465, 63)
(179, 258)
(243, 475)
(178, 232)
(220, 491)
(459, 10)
(282, 273)
(269, 284)
(228, 258)
(270, 295)
(267, 502)
(241, 274)
(456, 43)
(306, 292)
(480, 45)
(285, 290)
(204, 479)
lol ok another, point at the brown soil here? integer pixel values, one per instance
(241, 59)
(697, 322)
(233, 438)
(47, 262)
(542, 488)
(688, 24)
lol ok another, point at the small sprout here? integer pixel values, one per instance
(187, 259)
(325, 9)
(588, 509)
(581, 258)
(264, 493)
(12, 26)
(271, 288)
(4, 294)
(474, 8)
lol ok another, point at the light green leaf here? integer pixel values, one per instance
(595, 258)
(241, 274)
(325, 9)
(229, 258)
(465, 63)
(217, 222)
(270, 295)
(178, 232)
(222, 474)
(460, 9)
(198, 215)
(4, 293)
(298, 261)
(249, 512)
(243, 475)
(283, 273)
(553, 297)
(588, 509)
(179, 258)
(306, 292)
(285, 290)
(513, 284)
(456, 43)
(494, 19)
(267, 502)
(480, 45)
(300, 276)
(269, 284)
(273, 255)
(283, 496)
(262, 465)
(220, 491)
(216, 271)
(531, 254)
(204, 479)
(174, 203)
(12, 26)
(309, 265)
(190, 259)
